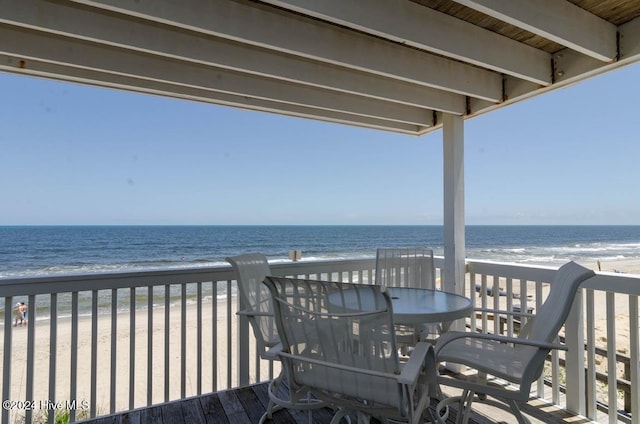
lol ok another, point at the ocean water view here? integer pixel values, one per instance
(45, 250)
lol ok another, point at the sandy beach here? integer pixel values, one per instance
(211, 379)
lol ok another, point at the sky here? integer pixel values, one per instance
(73, 154)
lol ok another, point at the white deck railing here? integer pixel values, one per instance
(84, 351)
(599, 374)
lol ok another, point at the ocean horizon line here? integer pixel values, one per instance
(314, 225)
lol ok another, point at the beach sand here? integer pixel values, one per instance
(211, 379)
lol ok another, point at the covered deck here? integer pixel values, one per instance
(411, 67)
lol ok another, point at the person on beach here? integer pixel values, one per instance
(20, 314)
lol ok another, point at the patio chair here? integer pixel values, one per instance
(338, 342)
(256, 305)
(518, 361)
(408, 267)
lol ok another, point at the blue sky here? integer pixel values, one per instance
(74, 154)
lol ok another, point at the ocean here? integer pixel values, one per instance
(46, 250)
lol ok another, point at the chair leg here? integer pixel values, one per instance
(516, 411)
(465, 401)
(272, 406)
(465, 407)
(339, 415)
(268, 415)
(363, 418)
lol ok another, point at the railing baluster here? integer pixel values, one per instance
(555, 372)
(590, 335)
(53, 344)
(30, 354)
(6, 358)
(183, 339)
(524, 301)
(114, 346)
(485, 303)
(539, 300)
(167, 322)
(132, 347)
(149, 345)
(496, 303)
(199, 347)
(634, 351)
(256, 365)
(214, 335)
(94, 352)
(74, 353)
(473, 294)
(509, 306)
(229, 344)
(612, 382)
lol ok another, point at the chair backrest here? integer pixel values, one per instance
(555, 309)
(551, 316)
(405, 267)
(255, 299)
(336, 331)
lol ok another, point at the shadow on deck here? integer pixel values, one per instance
(241, 405)
(247, 404)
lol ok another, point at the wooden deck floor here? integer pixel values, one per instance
(247, 404)
(241, 405)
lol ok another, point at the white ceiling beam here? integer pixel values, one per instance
(418, 26)
(83, 54)
(260, 25)
(630, 41)
(113, 30)
(571, 67)
(557, 20)
(85, 76)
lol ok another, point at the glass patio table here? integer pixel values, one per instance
(413, 306)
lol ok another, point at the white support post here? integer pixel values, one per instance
(574, 333)
(454, 243)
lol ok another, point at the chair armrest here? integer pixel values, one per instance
(273, 351)
(300, 358)
(503, 312)
(254, 314)
(411, 370)
(451, 336)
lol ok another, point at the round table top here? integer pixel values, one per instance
(413, 306)
(417, 306)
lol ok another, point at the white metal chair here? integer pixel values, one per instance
(338, 342)
(518, 361)
(408, 267)
(255, 302)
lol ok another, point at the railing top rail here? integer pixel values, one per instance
(321, 266)
(605, 281)
(110, 280)
(511, 270)
(23, 286)
(615, 283)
